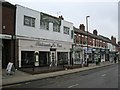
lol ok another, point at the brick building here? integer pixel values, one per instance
(7, 34)
(97, 46)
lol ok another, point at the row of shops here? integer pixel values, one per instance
(48, 53)
(37, 52)
(32, 38)
(93, 54)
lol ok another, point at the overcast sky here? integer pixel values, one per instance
(103, 13)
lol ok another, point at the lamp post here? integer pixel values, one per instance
(87, 39)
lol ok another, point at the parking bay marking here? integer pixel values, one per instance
(103, 75)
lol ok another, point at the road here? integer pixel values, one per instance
(105, 77)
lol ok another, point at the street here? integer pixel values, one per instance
(104, 77)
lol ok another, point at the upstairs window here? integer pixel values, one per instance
(72, 34)
(46, 19)
(66, 30)
(44, 25)
(56, 27)
(29, 21)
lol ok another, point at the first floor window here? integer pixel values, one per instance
(44, 25)
(56, 27)
(66, 30)
(29, 21)
(72, 34)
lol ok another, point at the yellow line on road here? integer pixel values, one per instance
(11, 85)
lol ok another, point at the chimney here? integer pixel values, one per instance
(82, 27)
(114, 40)
(111, 38)
(61, 17)
(95, 32)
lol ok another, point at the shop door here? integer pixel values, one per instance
(71, 58)
(53, 58)
(6, 52)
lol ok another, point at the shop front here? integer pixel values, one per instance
(27, 58)
(62, 58)
(43, 53)
(78, 55)
(102, 53)
(88, 54)
(107, 55)
(96, 55)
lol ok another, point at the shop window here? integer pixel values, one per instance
(62, 58)
(27, 58)
(44, 59)
(77, 57)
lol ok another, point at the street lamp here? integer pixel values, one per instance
(87, 39)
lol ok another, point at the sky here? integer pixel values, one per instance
(103, 13)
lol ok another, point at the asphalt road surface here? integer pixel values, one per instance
(105, 77)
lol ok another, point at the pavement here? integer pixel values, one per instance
(20, 76)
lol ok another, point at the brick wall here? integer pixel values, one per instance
(8, 18)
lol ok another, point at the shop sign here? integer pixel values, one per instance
(94, 49)
(102, 50)
(10, 68)
(48, 44)
(59, 45)
(43, 44)
(5, 36)
(88, 51)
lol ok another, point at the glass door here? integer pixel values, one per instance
(53, 58)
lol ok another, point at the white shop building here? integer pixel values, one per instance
(42, 38)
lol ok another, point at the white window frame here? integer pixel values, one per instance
(56, 27)
(66, 30)
(29, 21)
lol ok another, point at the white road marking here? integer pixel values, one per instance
(73, 85)
(28, 83)
(103, 75)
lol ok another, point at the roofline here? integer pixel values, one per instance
(90, 34)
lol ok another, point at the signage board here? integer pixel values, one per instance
(10, 68)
